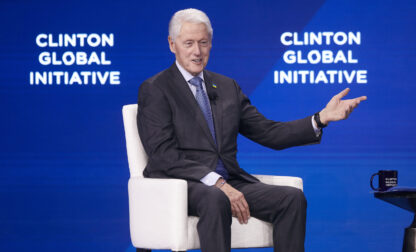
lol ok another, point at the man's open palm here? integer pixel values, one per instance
(338, 109)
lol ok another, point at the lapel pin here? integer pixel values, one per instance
(214, 85)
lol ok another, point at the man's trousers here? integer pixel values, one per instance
(283, 206)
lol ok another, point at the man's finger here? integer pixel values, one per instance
(242, 206)
(233, 211)
(342, 93)
(236, 212)
(239, 215)
(243, 211)
(245, 204)
(361, 98)
(357, 101)
(355, 104)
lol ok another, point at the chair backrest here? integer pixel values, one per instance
(135, 152)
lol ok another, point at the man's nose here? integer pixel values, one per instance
(196, 49)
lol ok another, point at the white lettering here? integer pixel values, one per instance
(289, 57)
(40, 37)
(44, 58)
(283, 38)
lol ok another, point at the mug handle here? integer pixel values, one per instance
(371, 182)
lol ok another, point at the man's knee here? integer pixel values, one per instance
(292, 203)
(290, 198)
(296, 198)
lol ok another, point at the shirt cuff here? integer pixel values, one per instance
(315, 127)
(211, 178)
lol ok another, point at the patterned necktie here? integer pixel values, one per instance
(203, 102)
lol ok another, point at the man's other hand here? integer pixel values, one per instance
(239, 206)
(338, 109)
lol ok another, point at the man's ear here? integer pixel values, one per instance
(171, 44)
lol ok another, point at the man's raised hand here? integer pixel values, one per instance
(338, 109)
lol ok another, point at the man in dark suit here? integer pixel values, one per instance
(189, 119)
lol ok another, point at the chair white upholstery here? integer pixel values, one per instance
(158, 207)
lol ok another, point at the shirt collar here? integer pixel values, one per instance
(186, 75)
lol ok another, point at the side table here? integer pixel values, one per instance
(404, 198)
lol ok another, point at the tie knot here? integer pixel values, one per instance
(196, 81)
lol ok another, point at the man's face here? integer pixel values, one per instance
(191, 47)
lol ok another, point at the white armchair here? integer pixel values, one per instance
(158, 207)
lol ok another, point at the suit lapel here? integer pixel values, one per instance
(214, 90)
(185, 95)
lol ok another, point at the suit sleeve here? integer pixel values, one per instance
(156, 130)
(273, 134)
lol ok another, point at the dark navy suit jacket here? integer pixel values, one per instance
(176, 136)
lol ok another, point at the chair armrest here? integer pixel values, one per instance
(281, 180)
(158, 212)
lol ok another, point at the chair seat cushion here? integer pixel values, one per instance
(255, 233)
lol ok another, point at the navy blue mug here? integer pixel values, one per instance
(386, 180)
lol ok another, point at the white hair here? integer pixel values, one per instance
(188, 15)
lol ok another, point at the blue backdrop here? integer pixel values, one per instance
(64, 172)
